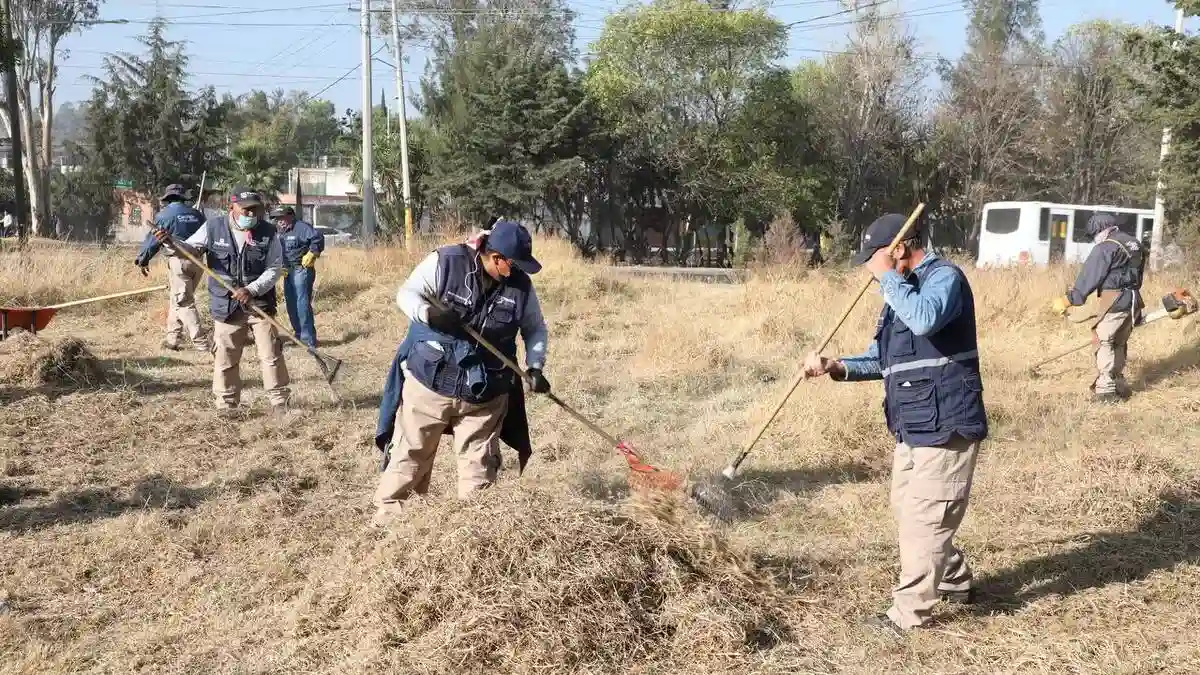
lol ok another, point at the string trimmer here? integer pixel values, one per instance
(651, 475)
(1175, 305)
(712, 494)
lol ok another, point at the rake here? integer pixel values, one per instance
(329, 365)
(651, 475)
(712, 494)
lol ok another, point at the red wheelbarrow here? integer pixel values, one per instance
(34, 319)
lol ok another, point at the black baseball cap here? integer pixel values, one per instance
(174, 190)
(512, 240)
(244, 196)
(881, 233)
(283, 211)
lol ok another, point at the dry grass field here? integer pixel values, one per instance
(141, 533)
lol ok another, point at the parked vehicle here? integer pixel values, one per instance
(334, 236)
(1042, 233)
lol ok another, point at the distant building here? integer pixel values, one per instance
(330, 197)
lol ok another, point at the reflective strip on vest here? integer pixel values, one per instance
(930, 363)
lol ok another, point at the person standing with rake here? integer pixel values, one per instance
(926, 352)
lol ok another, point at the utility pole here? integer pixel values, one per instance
(1160, 218)
(368, 160)
(400, 104)
(20, 200)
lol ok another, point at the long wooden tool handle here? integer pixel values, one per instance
(512, 365)
(111, 296)
(800, 376)
(284, 331)
(200, 192)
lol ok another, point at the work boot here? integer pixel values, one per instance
(166, 344)
(966, 597)
(882, 623)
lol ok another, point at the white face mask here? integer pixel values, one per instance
(244, 222)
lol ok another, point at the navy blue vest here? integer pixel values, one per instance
(238, 267)
(933, 389)
(296, 242)
(458, 367)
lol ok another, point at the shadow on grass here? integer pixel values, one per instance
(752, 493)
(1164, 539)
(339, 291)
(746, 497)
(352, 336)
(154, 492)
(1156, 371)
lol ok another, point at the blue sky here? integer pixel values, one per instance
(309, 44)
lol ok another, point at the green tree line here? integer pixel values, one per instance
(681, 135)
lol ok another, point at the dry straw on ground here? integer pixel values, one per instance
(141, 532)
(527, 581)
(26, 359)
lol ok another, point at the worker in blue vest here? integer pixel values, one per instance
(302, 245)
(243, 248)
(926, 352)
(442, 381)
(182, 221)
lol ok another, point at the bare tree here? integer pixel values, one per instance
(869, 101)
(1096, 146)
(41, 25)
(990, 112)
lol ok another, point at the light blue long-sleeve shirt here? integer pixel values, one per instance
(925, 311)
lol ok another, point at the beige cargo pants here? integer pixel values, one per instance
(1112, 341)
(182, 315)
(419, 425)
(230, 338)
(930, 488)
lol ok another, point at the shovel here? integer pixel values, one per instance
(34, 319)
(652, 475)
(329, 365)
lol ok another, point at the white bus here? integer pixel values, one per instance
(1042, 233)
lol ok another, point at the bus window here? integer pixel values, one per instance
(1126, 222)
(1079, 235)
(1044, 225)
(1002, 221)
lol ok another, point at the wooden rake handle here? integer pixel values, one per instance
(512, 365)
(111, 296)
(801, 376)
(330, 373)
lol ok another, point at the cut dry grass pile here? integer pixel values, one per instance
(527, 581)
(26, 359)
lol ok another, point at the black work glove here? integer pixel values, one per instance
(539, 384)
(443, 320)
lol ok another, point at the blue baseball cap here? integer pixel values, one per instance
(511, 240)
